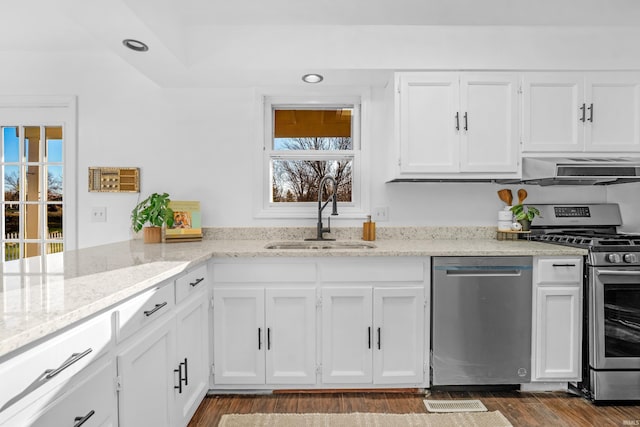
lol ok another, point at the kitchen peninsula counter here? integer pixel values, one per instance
(82, 283)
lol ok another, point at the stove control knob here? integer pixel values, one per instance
(630, 258)
(614, 258)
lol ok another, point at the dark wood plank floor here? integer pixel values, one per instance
(521, 408)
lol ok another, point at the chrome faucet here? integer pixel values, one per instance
(333, 198)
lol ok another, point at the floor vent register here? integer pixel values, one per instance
(454, 406)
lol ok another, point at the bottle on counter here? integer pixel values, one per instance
(369, 229)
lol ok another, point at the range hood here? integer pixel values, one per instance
(580, 171)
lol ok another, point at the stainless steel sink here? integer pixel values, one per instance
(312, 244)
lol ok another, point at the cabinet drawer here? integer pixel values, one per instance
(144, 309)
(379, 270)
(559, 270)
(190, 282)
(90, 402)
(50, 365)
(257, 272)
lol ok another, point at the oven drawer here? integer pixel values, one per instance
(559, 270)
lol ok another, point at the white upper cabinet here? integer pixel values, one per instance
(450, 125)
(587, 112)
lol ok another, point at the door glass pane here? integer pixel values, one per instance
(622, 320)
(54, 183)
(11, 251)
(10, 144)
(32, 143)
(32, 221)
(32, 183)
(54, 221)
(55, 247)
(297, 180)
(12, 221)
(32, 250)
(54, 143)
(12, 183)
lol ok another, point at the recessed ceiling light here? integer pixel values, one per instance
(136, 45)
(312, 78)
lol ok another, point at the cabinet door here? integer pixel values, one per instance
(613, 112)
(489, 122)
(399, 335)
(291, 336)
(238, 336)
(557, 333)
(90, 402)
(552, 117)
(347, 335)
(426, 122)
(147, 378)
(192, 355)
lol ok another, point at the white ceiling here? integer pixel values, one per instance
(215, 42)
(410, 12)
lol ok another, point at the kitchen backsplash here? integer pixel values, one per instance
(351, 233)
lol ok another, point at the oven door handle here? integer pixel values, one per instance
(618, 272)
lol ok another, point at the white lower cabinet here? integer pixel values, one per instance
(147, 378)
(192, 351)
(163, 367)
(264, 335)
(90, 402)
(334, 322)
(557, 322)
(373, 335)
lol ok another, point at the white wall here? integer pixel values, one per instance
(200, 144)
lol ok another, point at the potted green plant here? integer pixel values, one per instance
(524, 215)
(151, 214)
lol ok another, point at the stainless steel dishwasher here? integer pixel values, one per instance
(481, 320)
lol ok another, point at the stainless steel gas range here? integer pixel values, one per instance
(611, 364)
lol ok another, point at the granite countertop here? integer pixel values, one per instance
(38, 301)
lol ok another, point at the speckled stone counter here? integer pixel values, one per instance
(40, 300)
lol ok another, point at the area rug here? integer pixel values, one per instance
(458, 419)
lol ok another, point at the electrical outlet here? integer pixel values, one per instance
(381, 214)
(99, 214)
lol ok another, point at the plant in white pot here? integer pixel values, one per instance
(151, 214)
(524, 215)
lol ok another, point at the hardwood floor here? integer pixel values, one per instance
(521, 408)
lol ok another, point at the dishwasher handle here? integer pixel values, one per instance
(460, 272)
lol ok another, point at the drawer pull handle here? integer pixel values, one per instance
(50, 373)
(154, 309)
(81, 420)
(379, 339)
(194, 284)
(563, 265)
(583, 112)
(369, 336)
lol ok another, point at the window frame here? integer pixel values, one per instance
(358, 155)
(44, 111)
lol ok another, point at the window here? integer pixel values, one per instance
(304, 142)
(32, 146)
(33, 191)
